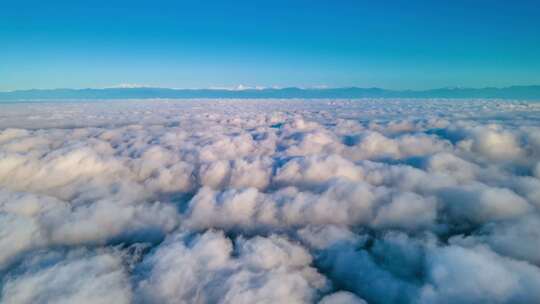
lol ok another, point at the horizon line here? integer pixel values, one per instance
(241, 87)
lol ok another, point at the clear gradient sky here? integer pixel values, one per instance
(397, 44)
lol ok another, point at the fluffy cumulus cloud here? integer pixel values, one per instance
(212, 268)
(78, 276)
(270, 201)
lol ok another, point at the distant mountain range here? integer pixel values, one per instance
(513, 92)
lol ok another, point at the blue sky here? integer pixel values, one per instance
(391, 44)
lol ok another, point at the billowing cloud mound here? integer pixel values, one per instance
(270, 201)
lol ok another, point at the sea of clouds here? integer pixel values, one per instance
(270, 201)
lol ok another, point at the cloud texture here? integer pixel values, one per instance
(270, 201)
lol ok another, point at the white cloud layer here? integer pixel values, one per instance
(270, 201)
